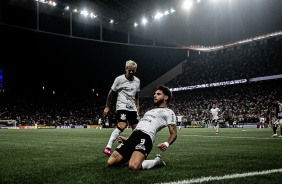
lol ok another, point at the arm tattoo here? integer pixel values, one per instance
(109, 98)
(173, 134)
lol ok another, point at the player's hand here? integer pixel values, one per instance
(106, 111)
(121, 139)
(162, 146)
(275, 118)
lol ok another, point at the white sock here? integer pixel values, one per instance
(113, 137)
(148, 164)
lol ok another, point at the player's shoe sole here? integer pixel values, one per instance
(216, 133)
(161, 163)
(106, 151)
(274, 135)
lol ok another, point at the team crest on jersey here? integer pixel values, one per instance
(123, 116)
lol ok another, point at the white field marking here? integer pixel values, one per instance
(218, 136)
(231, 176)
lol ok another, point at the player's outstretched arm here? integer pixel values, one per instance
(171, 139)
(109, 101)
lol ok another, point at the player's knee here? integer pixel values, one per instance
(134, 166)
(110, 163)
(121, 126)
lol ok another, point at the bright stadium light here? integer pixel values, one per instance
(166, 12)
(158, 15)
(172, 10)
(67, 8)
(135, 24)
(84, 12)
(187, 4)
(111, 21)
(92, 15)
(144, 21)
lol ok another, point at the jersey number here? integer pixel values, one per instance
(142, 141)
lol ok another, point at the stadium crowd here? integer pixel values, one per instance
(260, 60)
(246, 102)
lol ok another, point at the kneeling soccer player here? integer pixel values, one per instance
(136, 148)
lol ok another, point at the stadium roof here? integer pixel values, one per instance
(206, 22)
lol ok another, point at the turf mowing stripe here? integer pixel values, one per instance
(232, 176)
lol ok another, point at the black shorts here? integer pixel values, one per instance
(127, 116)
(138, 141)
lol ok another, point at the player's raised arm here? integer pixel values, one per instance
(171, 139)
(109, 101)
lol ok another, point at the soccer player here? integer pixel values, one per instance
(127, 106)
(136, 148)
(214, 114)
(179, 120)
(99, 123)
(107, 122)
(277, 117)
(262, 122)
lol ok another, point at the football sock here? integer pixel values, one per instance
(113, 137)
(274, 130)
(148, 164)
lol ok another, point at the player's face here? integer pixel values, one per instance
(159, 98)
(213, 106)
(130, 71)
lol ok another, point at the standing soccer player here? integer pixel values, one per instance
(179, 121)
(127, 107)
(136, 148)
(99, 123)
(262, 122)
(277, 117)
(214, 114)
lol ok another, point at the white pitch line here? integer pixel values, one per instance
(232, 176)
(218, 136)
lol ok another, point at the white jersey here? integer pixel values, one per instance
(214, 113)
(126, 90)
(154, 120)
(179, 118)
(262, 120)
(99, 121)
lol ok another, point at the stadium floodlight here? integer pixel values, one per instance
(187, 4)
(52, 3)
(75, 10)
(172, 10)
(166, 12)
(84, 12)
(135, 24)
(92, 15)
(67, 8)
(111, 21)
(198, 1)
(158, 15)
(144, 21)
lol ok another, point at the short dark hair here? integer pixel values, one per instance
(166, 91)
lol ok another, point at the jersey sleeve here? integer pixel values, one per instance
(116, 84)
(171, 118)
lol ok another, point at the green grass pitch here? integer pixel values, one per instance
(75, 156)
